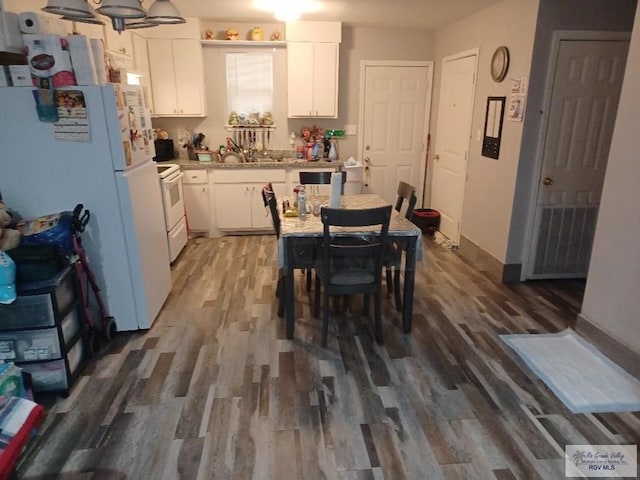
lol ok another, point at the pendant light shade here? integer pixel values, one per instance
(121, 9)
(70, 8)
(124, 14)
(136, 23)
(93, 21)
(164, 12)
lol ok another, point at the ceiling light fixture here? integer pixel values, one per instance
(124, 14)
(288, 10)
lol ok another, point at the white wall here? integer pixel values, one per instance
(489, 192)
(553, 15)
(612, 295)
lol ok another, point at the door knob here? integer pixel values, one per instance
(547, 181)
(367, 148)
(367, 160)
(436, 157)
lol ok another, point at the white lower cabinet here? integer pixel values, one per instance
(196, 200)
(238, 198)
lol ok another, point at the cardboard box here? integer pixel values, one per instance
(20, 75)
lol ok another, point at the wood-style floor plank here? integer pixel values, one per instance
(215, 390)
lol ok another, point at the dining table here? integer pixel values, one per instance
(301, 237)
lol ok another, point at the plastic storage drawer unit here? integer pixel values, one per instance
(38, 302)
(53, 375)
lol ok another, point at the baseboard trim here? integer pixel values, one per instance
(610, 346)
(483, 260)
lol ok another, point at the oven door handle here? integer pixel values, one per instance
(168, 183)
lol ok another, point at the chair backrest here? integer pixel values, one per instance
(364, 252)
(406, 192)
(269, 200)
(320, 178)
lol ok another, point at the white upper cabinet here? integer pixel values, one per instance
(312, 68)
(177, 77)
(141, 68)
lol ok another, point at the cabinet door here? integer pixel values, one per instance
(120, 43)
(189, 75)
(260, 215)
(300, 79)
(163, 80)
(233, 206)
(196, 203)
(141, 65)
(325, 79)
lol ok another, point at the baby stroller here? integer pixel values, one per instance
(63, 231)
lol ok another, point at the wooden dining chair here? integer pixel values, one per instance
(393, 256)
(270, 202)
(305, 254)
(352, 264)
(320, 178)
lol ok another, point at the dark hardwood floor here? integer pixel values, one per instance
(215, 390)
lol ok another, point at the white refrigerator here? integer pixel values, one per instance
(109, 170)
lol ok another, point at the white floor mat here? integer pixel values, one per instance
(580, 375)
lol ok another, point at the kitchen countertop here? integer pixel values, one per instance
(285, 163)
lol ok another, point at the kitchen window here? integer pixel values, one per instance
(249, 83)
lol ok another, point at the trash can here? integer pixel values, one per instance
(427, 220)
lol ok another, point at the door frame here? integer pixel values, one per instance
(465, 53)
(364, 64)
(557, 38)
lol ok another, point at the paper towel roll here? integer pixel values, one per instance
(336, 189)
(33, 22)
(84, 66)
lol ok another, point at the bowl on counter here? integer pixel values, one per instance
(207, 155)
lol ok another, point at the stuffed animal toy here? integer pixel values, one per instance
(9, 237)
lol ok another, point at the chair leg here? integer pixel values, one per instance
(365, 304)
(396, 289)
(308, 279)
(387, 270)
(316, 297)
(280, 295)
(378, 317)
(325, 318)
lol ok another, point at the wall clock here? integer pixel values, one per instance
(500, 63)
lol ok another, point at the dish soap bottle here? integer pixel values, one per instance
(333, 152)
(302, 203)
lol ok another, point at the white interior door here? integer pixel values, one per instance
(394, 108)
(457, 91)
(582, 111)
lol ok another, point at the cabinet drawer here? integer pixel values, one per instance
(43, 344)
(38, 310)
(253, 175)
(194, 176)
(52, 376)
(30, 345)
